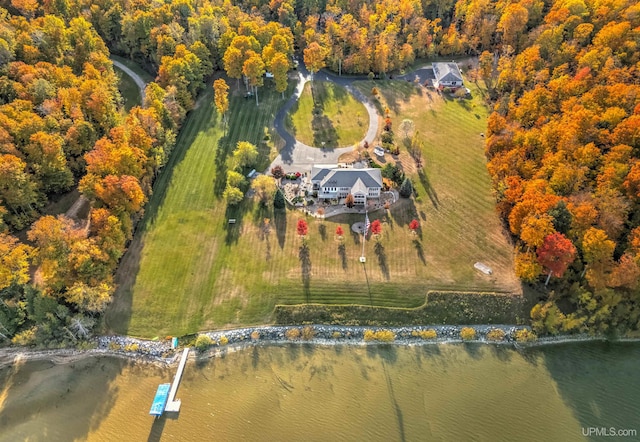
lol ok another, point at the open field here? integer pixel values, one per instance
(338, 119)
(188, 269)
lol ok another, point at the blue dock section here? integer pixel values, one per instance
(157, 407)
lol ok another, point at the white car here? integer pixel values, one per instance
(378, 150)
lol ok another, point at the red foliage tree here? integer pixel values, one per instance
(339, 231)
(414, 225)
(277, 172)
(376, 227)
(556, 253)
(302, 228)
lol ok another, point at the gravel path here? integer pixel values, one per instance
(82, 200)
(296, 156)
(136, 78)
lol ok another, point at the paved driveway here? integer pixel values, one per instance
(296, 156)
(423, 75)
(136, 78)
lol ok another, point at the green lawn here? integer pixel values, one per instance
(146, 77)
(337, 118)
(188, 269)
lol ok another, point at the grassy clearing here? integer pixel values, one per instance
(455, 202)
(146, 77)
(59, 204)
(172, 267)
(188, 269)
(128, 89)
(337, 118)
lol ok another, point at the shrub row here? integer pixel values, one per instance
(379, 335)
(203, 342)
(439, 308)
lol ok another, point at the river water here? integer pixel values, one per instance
(448, 392)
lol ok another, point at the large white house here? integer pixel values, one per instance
(333, 182)
(447, 75)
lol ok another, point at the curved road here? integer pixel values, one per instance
(136, 78)
(296, 156)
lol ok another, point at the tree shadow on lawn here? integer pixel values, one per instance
(163, 180)
(263, 212)
(396, 92)
(417, 244)
(356, 236)
(382, 259)
(403, 212)
(280, 222)
(289, 126)
(322, 229)
(236, 213)
(222, 151)
(118, 315)
(323, 130)
(305, 267)
(342, 251)
(431, 192)
(263, 152)
(265, 230)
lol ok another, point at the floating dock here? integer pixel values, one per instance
(166, 393)
(160, 400)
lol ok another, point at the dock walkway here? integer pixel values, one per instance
(172, 404)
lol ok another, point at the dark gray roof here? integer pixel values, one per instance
(318, 172)
(348, 177)
(447, 72)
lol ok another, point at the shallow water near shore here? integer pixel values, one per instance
(295, 392)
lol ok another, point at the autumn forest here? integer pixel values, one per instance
(562, 142)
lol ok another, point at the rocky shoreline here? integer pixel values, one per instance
(160, 352)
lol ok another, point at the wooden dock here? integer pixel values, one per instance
(172, 404)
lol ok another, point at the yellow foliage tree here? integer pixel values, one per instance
(265, 187)
(535, 228)
(14, 261)
(597, 250)
(527, 267)
(221, 97)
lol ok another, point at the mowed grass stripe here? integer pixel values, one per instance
(196, 272)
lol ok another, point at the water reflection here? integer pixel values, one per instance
(301, 392)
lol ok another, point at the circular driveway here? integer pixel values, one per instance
(296, 156)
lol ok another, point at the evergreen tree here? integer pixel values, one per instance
(406, 189)
(278, 200)
(561, 217)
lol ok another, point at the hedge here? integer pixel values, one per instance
(439, 308)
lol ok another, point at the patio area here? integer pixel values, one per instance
(299, 193)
